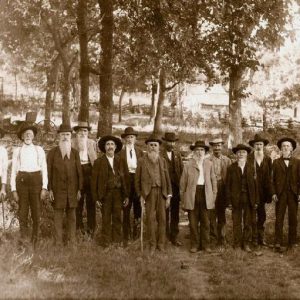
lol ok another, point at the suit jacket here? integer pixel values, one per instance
(234, 185)
(280, 172)
(178, 164)
(188, 184)
(124, 166)
(225, 163)
(91, 149)
(264, 179)
(143, 182)
(99, 177)
(65, 182)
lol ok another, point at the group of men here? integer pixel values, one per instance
(157, 182)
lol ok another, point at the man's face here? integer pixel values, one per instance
(242, 154)
(286, 148)
(82, 132)
(169, 145)
(217, 148)
(28, 136)
(199, 152)
(258, 146)
(130, 139)
(110, 148)
(153, 147)
(65, 136)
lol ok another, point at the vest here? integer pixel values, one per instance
(113, 180)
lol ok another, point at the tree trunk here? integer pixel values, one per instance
(160, 103)
(120, 104)
(84, 61)
(235, 107)
(106, 89)
(153, 104)
(16, 87)
(66, 98)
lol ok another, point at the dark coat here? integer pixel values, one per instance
(100, 177)
(178, 164)
(143, 182)
(263, 178)
(280, 172)
(234, 185)
(64, 177)
(124, 166)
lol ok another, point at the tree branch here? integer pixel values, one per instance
(170, 87)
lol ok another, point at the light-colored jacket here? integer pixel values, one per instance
(188, 184)
(3, 164)
(91, 149)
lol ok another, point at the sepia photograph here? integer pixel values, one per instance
(149, 149)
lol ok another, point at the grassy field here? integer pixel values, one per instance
(89, 271)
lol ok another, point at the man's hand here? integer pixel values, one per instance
(78, 195)
(275, 198)
(43, 194)
(255, 206)
(126, 202)
(168, 201)
(15, 196)
(229, 206)
(51, 196)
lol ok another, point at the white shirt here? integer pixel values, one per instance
(111, 162)
(84, 158)
(242, 164)
(169, 153)
(29, 158)
(201, 175)
(258, 158)
(131, 161)
(3, 164)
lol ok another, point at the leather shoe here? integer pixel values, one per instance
(263, 243)
(177, 243)
(279, 248)
(208, 250)
(193, 250)
(247, 249)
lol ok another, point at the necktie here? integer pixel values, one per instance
(130, 153)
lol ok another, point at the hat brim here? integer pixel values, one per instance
(153, 140)
(28, 127)
(76, 128)
(192, 147)
(103, 140)
(123, 135)
(292, 141)
(236, 149)
(170, 140)
(252, 142)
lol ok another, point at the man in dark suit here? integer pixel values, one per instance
(107, 185)
(129, 157)
(64, 183)
(262, 165)
(286, 191)
(242, 195)
(153, 186)
(175, 166)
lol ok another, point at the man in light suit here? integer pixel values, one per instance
(88, 154)
(198, 189)
(153, 186)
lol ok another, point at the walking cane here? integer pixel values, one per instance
(2, 201)
(142, 225)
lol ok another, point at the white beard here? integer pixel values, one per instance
(65, 148)
(153, 156)
(82, 143)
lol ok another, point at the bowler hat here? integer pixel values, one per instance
(287, 139)
(106, 138)
(199, 144)
(258, 138)
(128, 131)
(64, 128)
(26, 126)
(170, 137)
(153, 138)
(241, 147)
(82, 124)
(216, 141)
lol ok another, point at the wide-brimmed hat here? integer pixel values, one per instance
(82, 124)
(64, 128)
(104, 139)
(170, 137)
(153, 138)
(128, 131)
(287, 139)
(199, 144)
(258, 138)
(26, 126)
(241, 147)
(216, 141)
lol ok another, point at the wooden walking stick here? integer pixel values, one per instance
(142, 224)
(2, 201)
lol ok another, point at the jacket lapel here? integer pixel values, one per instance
(282, 164)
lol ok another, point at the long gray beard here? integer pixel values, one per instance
(82, 143)
(153, 156)
(65, 148)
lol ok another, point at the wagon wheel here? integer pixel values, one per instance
(46, 131)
